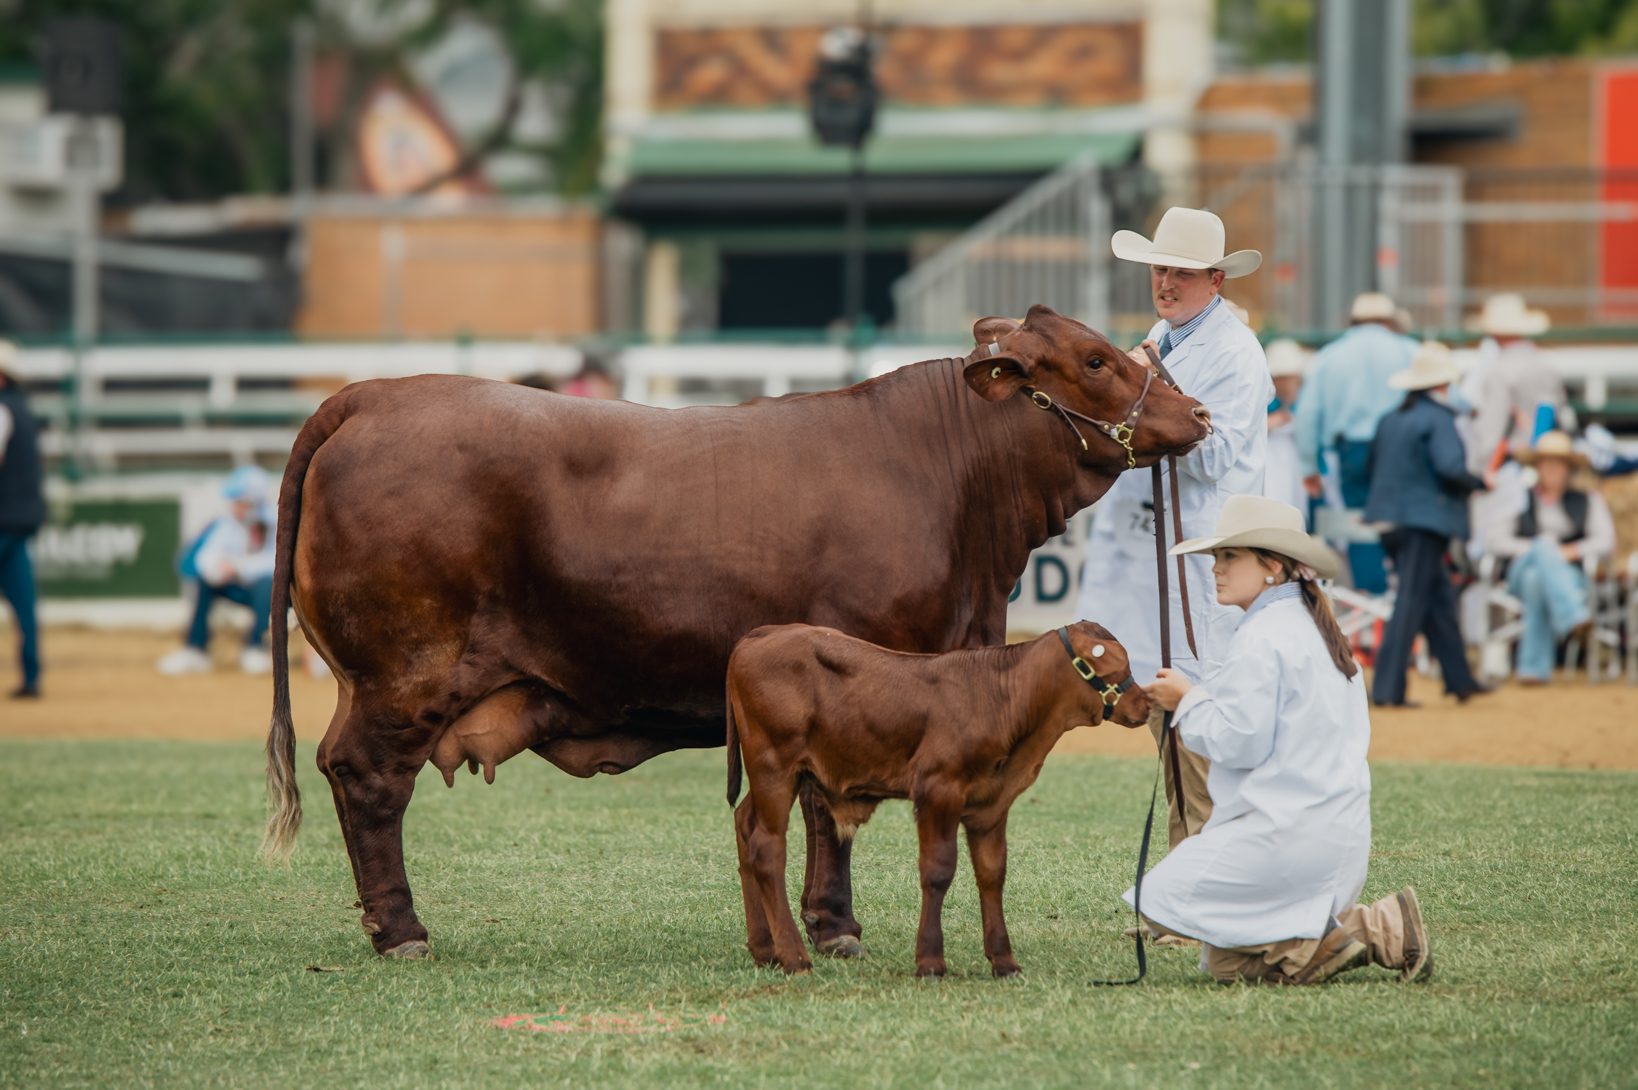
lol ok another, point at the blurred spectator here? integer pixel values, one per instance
(1419, 485)
(1606, 460)
(1516, 384)
(538, 380)
(232, 559)
(592, 380)
(22, 510)
(1547, 537)
(1282, 477)
(1346, 395)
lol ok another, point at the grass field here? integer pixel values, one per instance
(143, 945)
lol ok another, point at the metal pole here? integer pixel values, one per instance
(82, 181)
(853, 273)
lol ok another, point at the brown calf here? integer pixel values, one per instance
(961, 735)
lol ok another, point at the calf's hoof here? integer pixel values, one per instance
(931, 970)
(798, 968)
(842, 946)
(415, 948)
(1004, 969)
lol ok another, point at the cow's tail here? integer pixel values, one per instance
(283, 795)
(734, 768)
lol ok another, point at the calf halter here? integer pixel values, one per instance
(1120, 433)
(1111, 693)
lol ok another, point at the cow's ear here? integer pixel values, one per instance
(986, 330)
(996, 378)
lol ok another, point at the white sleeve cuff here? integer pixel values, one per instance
(1196, 696)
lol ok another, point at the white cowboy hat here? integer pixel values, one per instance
(1372, 306)
(1187, 238)
(1552, 444)
(1287, 357)
(1256, 522)
(1505, 315)
(1433, 365)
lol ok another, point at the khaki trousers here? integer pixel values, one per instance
(1196, 800)
(1380, 925)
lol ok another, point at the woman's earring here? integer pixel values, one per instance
(1269, 579)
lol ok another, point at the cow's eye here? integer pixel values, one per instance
(1096, 363)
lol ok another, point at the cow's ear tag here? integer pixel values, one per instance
(996, 373)
(1097, 652)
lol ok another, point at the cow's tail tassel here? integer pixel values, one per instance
(734, 769)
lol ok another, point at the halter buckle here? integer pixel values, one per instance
(1083, 668)
(1041, 399)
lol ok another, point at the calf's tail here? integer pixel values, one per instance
(734, 769)
(283, 795)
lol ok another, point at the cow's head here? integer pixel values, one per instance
(1098, 650)
(1079, 368)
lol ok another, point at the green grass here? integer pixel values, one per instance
(143, 944)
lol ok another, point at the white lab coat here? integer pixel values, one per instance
(1289, 837)
(1222, 366)
(1282, 479)
(229, 539)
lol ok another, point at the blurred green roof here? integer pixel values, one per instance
(989, 154)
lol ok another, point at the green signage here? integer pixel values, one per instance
(109, 549)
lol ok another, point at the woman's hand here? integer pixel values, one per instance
(1168, 688)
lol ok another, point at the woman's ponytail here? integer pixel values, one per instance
(1319, 608)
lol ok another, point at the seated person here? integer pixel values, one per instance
(232, 559)
(1545, 543)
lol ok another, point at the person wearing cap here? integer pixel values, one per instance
(232, 559)
(1517, 382)
(22, 511)
(1347, 395)
(1218, 361)
(1419, 487)
(1271, 885)
(1282, 480)
(1546, 537)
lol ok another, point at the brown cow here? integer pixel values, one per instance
(961, 735)
(489, 568)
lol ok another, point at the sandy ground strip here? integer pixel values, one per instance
(101, 684)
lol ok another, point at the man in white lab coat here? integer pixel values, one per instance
(1218, 361)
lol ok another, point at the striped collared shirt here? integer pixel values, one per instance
(1174, 337)
(1273, 594)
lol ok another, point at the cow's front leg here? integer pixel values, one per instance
(988, 848)
(370, 801)
(938, 815)
(827, 884)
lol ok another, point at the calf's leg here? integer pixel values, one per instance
(988, 848)
(827, 884)
(765, 847)
(371, 765)
(938, 815)
(758, 937)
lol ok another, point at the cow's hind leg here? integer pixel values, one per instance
(988, 848)
(371, 761)
(758, 936)
(827, 885)
(769, 821)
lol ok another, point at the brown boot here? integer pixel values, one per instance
(1338, 952)
(1418, 951)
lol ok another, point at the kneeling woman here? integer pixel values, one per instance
(1269, 885)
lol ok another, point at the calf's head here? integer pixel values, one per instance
(1078, 368)
(1103, 654)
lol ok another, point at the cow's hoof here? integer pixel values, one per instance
(415, 948)
(842, 946)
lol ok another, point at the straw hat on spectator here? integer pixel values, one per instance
(1372, 306)
(1552, 444)
(1505, 315)
(1287, 357)
(1433, 365)
(1187, 238)
(1256, 522)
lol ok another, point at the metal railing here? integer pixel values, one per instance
(1049, 245)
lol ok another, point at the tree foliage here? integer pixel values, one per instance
(1264, 31)
(207, 110)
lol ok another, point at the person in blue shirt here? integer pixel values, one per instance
(22, 511)
(232, 559)
(1344, 397)
(1419, 484)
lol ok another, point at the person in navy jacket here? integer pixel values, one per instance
(1419, 486)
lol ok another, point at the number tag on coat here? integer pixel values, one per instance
(1134, 527)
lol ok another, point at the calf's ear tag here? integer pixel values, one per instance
(1097, 652)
